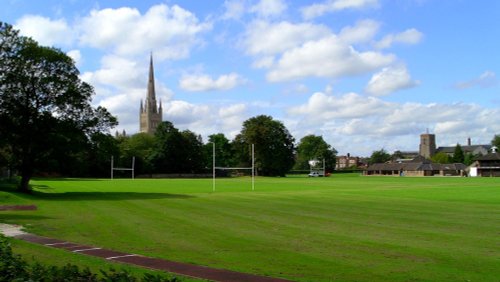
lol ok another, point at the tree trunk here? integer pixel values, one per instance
(24, 186)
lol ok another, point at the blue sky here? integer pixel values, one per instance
(364, 74)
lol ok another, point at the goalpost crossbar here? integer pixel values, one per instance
(234, 168)
(214, 168)
(132, 169)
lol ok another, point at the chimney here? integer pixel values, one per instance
(468, 141)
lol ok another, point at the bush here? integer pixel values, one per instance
(14, 268)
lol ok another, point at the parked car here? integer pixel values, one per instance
(315, 174)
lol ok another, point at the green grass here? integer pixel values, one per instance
(344, 228)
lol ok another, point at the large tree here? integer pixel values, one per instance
(312, 147)
(223, 151)
(140, 146)
(274, 145)
(176, 151)
(441, 158)
(380, 156)
(43, 102)
(458, 154)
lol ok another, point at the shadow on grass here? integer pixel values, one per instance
(105, 196)
(8, 217)
(69, 179)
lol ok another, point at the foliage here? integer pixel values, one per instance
(274, 145)
(397, 155)
(223, 150)
(468, 159)
(193, 159)
(496, 141)
(14, 268)
(441, 158)
(380, 156)
(45, 109)
(140, 146)
(312, 147)
(175, 151)
(458, 154)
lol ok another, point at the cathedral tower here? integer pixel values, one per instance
(150, 111)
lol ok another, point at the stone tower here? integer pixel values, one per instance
(150, 112)
(427, 145)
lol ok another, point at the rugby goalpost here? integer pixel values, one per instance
(132, 169)
(214, 168)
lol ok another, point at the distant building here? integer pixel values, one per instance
(475, 150)
(487, 165)
(150, 111)
(427, 145)
(419, 166)
(344, 162)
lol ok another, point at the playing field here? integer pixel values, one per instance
(341, 228)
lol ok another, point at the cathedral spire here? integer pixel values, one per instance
(150, 113)
(151, 82)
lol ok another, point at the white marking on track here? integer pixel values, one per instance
(121, 256)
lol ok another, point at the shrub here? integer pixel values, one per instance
(14, 268)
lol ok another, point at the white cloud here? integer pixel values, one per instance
(349, 106)
(46, 31)
(327, 57)
(117, 72)
(389, 80)
(204, 119)
(76, 55)
(363, 31)
(359, 124)
(409, 36)
(266, 38)
(485, 80)
(319, 9)
(170, 31)
(264, 62)
(199, 83)
(235, 9)
(269, 8)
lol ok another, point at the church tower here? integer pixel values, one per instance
(427, 145)
(150, 111)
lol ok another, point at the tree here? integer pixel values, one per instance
(42, 102)
(140, 146)
(175, 151)
(223, 151)
(380, 156)
(167, 154)
(193, 160)
(274, 148)
(102, 146)
(458, 154)
(441, 158)
(397, 155)
(312, 147)
(468, 159)
(496, 141)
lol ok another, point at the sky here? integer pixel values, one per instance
(364, 74)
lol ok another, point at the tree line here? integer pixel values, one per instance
(49, 126)
(171, 150)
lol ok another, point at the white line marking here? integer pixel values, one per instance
(83, 250)
(53, 244)
(122, 256)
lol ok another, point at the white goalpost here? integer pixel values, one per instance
(132, 169)
(214, 168)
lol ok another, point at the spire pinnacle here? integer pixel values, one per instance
(151, 81)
